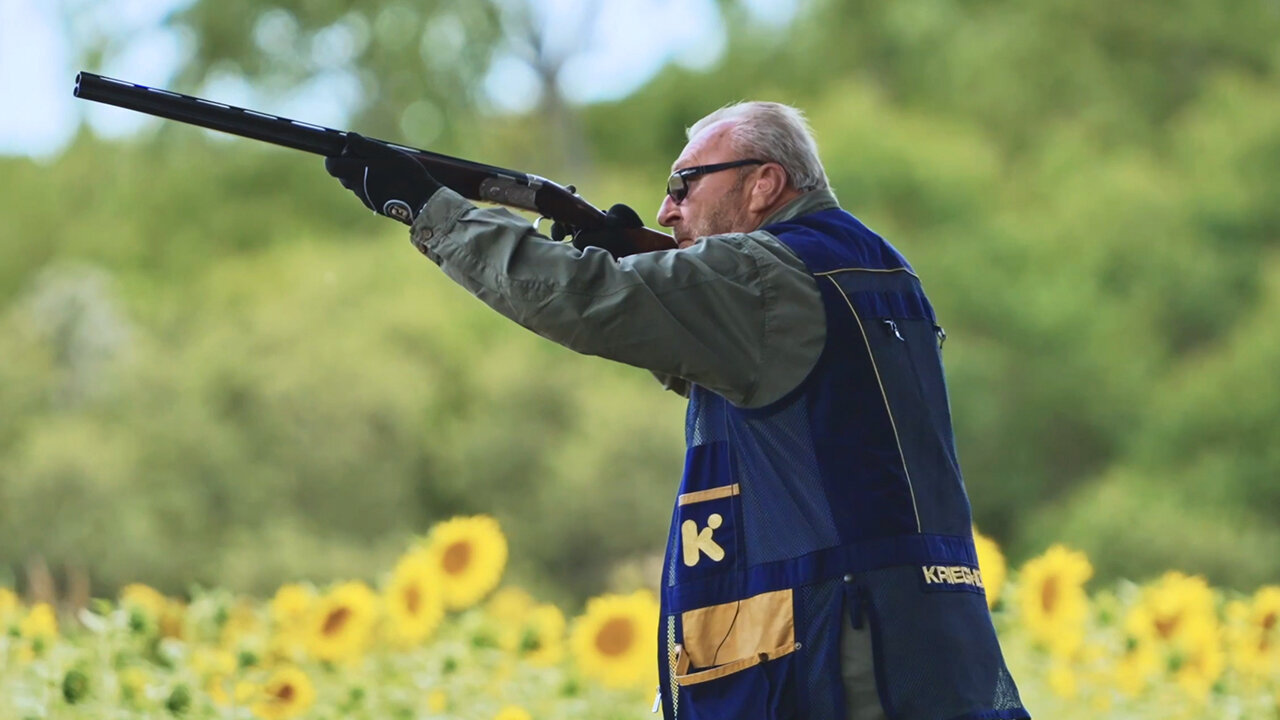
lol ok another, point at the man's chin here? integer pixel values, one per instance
(683, 243)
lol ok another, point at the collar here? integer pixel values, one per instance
(812, 201)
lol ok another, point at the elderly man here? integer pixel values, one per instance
(820, 563)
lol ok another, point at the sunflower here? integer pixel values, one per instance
(539, 638)
(615, 641)
(414, 604)
(437, 701)
(992, 565)
(173, 619)
(1198, 658)
(1255, 633)
(1052, 600)
(143, 598)
(216, 667)
(8, 607)
(208, 661)
(290, 610)
(1138, 660)
(225, 692)
(470, 553)
(509, 604)
(1177, 602)
(513, 712)
(40, 625)
(1180, 612)
(152, 609)
(242, 626)
(290, 605)
(287, 693)
(341, 622)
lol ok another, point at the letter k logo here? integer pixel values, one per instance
(694, 542)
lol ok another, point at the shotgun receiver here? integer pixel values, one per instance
(472, 180)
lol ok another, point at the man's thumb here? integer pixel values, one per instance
(361, 146)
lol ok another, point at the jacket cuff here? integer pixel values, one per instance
(437, 218)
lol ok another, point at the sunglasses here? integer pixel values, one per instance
(678, 183)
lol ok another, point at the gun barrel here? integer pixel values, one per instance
(208, 114)
(250, 124)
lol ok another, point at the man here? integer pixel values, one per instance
(820, 563)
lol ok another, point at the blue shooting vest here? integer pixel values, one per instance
(841, 500)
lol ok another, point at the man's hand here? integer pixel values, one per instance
(388, 181)
(612, 236)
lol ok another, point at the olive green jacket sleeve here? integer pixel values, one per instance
(738, 314)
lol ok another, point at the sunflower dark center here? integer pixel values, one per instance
(335, 621)
(615, 637)
(412, 599)
(1264, 640)
(1166, 625)
(457, 557)
(1049, 595)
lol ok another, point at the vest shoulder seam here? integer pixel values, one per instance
(828, 273)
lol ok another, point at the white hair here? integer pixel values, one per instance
(773, 132)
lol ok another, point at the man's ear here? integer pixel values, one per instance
(769, 187)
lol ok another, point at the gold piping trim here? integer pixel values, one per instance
(720, 671)
(884, 395)
(714, 493)
(827, 273)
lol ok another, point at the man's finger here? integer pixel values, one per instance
(343, 167)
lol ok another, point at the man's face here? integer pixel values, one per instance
(716, 202)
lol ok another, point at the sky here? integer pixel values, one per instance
(38, 114)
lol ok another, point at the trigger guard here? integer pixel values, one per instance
(568, 232)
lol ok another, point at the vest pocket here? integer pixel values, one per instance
(722, 639)
(736, 659)
(707, 535)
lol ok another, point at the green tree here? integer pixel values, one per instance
(415, 68)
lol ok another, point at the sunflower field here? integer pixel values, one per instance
(439, 636)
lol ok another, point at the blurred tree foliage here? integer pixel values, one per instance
(301, 408)
(418, 65)
(219, 368)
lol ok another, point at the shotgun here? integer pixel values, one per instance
(472, 180)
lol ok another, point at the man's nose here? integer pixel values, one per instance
(668, 212)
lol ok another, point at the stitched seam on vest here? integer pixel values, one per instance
(885, 395)
(714, 493)
(828, 273)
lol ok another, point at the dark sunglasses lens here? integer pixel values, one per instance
(677, 189)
